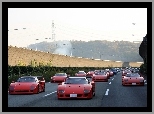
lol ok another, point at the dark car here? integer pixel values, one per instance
(114, 71)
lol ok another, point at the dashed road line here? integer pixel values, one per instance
(49, 94)
(107, 92)
(110, 83)
(144, 80)
(112, 78)
(145, 83)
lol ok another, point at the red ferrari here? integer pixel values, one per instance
(76, 87)
(80, 73)
(100, 76)
(90, 74)
(125, 72)
(111, 73)
(58, 77)
(105, 71)
(132, 79)
(27, 85)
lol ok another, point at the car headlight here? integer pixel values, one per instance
(32, 87)
(61, 91)
(11, 88)
(86, 91)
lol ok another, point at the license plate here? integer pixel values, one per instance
(73, 95)
(133, 83)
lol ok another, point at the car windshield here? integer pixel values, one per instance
(81, 72)
(133, 75)
(113, 69)
(60, 74)
(26, 79)
(100, 73)
(76, 81)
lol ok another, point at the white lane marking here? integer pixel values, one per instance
(112, 78)
(48, 82)
(144, 80)
(50, 93)
(145, 83)
(110, 83)
(107, 92)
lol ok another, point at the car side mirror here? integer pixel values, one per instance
(13, 82)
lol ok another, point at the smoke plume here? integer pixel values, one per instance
(63, 47)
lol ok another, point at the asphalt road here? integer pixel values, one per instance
(108, 94)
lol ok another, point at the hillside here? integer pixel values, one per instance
(105, 50)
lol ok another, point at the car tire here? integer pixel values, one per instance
(44, 88)
(93, 93)
(38, 89)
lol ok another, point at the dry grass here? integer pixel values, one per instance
(25, 57)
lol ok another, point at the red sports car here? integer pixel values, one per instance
(58, 77)
(81, 73)
(125, 72)
(27, 85)
(132, 79)
(76, 87)
(111, 73)
(108, 73)
(95, 71)
(100, 76)
(90, 73)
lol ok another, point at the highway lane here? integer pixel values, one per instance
(20, 100)
(52, 101)
(108, 94)
(124, 96)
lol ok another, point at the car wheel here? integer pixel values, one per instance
(38, 89)
(93, 93)
(91, 96)
(44, 88)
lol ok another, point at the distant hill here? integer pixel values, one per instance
(105, 50)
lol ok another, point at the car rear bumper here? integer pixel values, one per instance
(100, 80)
(27, 92)
(139, 83)
(79, 96)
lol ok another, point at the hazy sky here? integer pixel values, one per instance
(75, 23)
